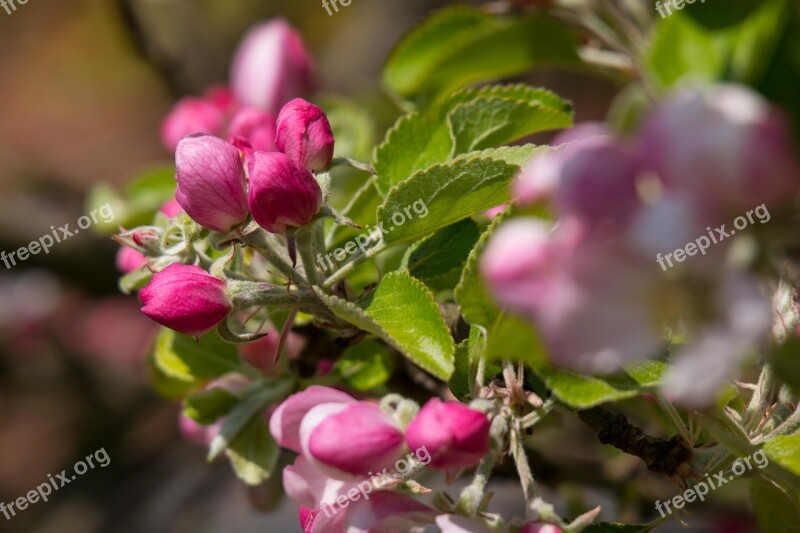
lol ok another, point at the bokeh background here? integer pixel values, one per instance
(84, 85)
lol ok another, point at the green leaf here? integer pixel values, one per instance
(254, 453)
(255, 400)
(513, 338)
(785, 450)
(460, 380)
(459, 46)
(168, 386)
(681, 49)
(133, 281)
(438, 260)
(209, 406)
(756, 41)
(403, 313)
(493, 121)
(582, 392)
(717, 15)
(775, 510)
(451, 191)
(352, 127)
(186, 359)
(468, 353)
(471, 293)
(647, 373)
(415, 142)
(518, 92)
(365, 366)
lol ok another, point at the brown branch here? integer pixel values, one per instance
(666, 457)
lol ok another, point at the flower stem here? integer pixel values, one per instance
(521, 460)
(259, 241)
(307, 246)
(472, 496)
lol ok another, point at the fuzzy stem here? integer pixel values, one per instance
(521, 460)
(307, 246)
(472, 496)
(258, 241)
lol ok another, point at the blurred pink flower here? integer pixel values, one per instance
(129, 260)
(271, 66)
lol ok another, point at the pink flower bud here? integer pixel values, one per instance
(598, 182)
(171, 208)
(355, 437)
(282, 193)
(725, 145)
(192, 115)
(211, 182)
(518, 265)
(304, 134)
(285, 422)
(456, 436)
(129, 260)
(185, 298)
(256, 127)
(271, 66)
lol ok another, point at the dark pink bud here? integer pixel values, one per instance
(282, 193)
(211, 182)
(185, 298)
(455, 436)
(304, 134)
(271, 66)
(256, 127)
(129, 260)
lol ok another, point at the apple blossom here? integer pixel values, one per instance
(304, 134)
(211, 182)
(456, 436)
(282, 193)
(185, 298)
(271, 66)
